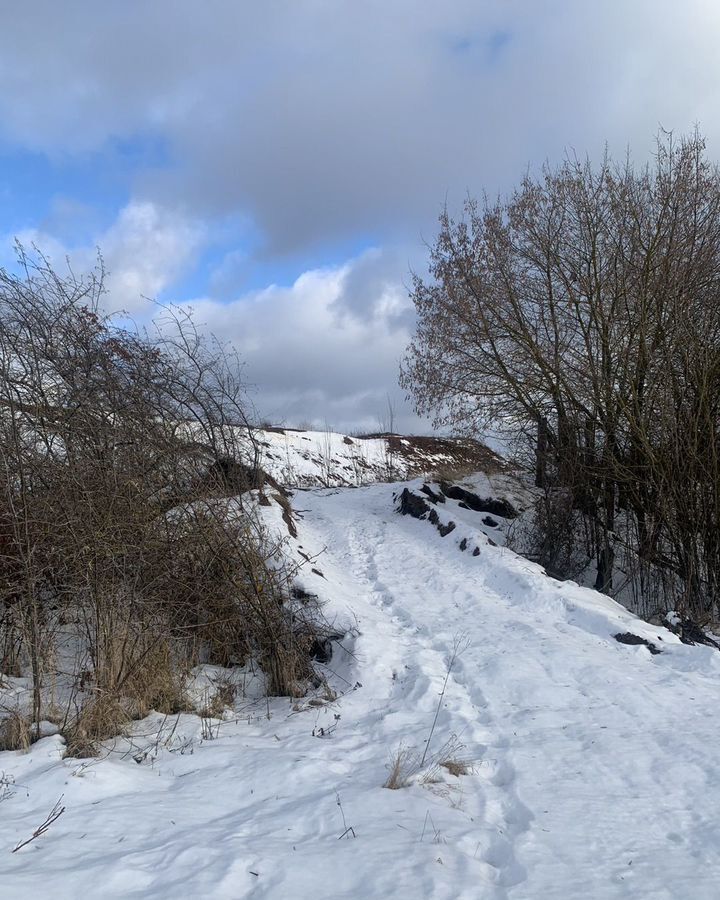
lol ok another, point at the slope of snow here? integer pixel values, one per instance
(328, 459)
(307, 458)
(592, 765)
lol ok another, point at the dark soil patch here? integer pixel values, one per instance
(692, 633)
(459, 453)
(321, 650)
(628, 637)
(501, 508)
(412, 505)
(431, 494)
(298, 593)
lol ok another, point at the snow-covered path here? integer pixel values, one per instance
(593, 763)
(595, 773)
(421, 603)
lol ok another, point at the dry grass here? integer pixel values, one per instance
(15, 731)
(452, 473)
(407, 766)
(157, 683)
(449, 757)
(402, 768)
(222, 698)
(148, 679)
(287, 513)
(457, 767)
(99, 718)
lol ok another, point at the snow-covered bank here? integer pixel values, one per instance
(299, 458)
(592, 764)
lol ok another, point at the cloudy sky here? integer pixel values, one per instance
(279, 164)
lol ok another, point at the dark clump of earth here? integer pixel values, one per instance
(433, 495)
(468, 500)
(628, 637)
(412, 505)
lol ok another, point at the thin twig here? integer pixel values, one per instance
(460, 644)
(52, 816)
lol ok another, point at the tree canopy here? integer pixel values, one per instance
(585, 308)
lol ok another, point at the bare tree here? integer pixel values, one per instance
(584, 310)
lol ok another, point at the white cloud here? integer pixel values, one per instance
(324, 349)
(145, 251)
(311, 356)
(320, 125)
(325, 119)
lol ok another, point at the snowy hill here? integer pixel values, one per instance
(559, 763)
(299, 458)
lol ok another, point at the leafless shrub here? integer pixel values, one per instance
(109, 515)
(10, 642)
(555, 538)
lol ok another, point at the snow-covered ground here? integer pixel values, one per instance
(325, 458)
(591, 765)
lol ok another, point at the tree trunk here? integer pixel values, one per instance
(541, 452)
